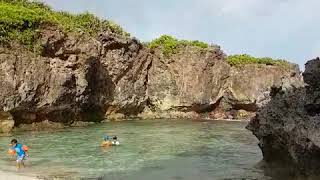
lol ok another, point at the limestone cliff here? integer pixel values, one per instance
(249, 86)
(82, 78)
(199, 82)
(76, 78)
(189, 81)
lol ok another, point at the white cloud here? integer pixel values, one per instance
(236, 7)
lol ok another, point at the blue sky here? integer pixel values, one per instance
(286, 29)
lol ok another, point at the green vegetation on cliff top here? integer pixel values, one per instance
(238, 60)
(169, 45)
(21, 20)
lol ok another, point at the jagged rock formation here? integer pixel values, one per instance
(75, 78)
(197, 82)
(80, 78)
(288, 126)
(191, 80)
(248, 87)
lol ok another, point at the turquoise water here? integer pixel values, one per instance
(157, 150)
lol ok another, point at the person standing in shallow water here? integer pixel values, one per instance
(21, 153)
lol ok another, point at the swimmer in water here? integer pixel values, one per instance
(106, 141)
(115, 141)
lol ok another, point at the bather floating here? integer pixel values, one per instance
(107, 141)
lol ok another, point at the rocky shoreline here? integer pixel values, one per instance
(287, 127)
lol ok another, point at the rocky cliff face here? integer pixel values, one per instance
(197, 82)
(249, 86)
(77, 78)
(288, 126)
(189, 81)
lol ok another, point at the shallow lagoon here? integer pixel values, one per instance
(150, 149)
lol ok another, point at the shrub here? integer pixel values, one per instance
(20, 21)
(169, 45)
(238, 60)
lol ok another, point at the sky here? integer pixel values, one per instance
(287, 29)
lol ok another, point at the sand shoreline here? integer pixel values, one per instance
(14, 176)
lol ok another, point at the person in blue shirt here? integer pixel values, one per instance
(106, 141)
(106, 138)
(20, 153)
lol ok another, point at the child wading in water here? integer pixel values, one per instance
(21, 152)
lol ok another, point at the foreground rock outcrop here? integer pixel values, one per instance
(288, 126)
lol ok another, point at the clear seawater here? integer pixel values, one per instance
(149, 150)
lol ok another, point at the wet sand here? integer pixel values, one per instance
(13, 176)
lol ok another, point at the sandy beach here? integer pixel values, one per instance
(12, 176)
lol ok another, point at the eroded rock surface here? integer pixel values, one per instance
(191, 80)
(288, 127)
(77, 78)
(74, 79)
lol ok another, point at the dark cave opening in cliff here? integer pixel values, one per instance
(251, 107)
